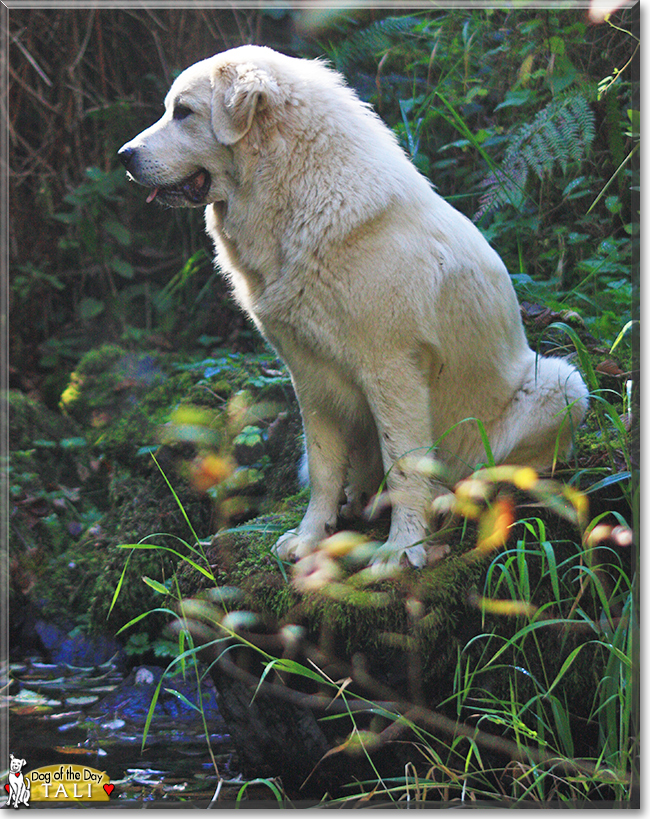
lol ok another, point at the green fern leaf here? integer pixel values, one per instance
(372, 41)
(560, 133)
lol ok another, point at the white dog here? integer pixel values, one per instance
(395, 317)
(19, 785)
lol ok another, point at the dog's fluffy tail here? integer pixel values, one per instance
(539, 425)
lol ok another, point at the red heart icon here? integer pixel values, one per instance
(109, 788)
(7, 788)
(17, 774)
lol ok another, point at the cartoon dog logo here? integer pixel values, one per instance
(19, 786)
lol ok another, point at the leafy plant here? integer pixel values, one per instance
(560, 134)
(98, 233)
(372, 42)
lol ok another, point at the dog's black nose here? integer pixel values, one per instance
(126, 154)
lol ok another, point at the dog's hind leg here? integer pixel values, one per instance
(327, 461)
(327, 408)
(366, 469)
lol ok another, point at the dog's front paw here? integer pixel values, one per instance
(293, 545)
(391, 556)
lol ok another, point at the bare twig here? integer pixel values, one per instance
(32, 62)
(84, 44)
(38, 97)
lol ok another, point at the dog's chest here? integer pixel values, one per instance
(303, 318)
(293, 302)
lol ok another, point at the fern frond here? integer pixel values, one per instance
(562, 132)
(581, 111)
(372, 41)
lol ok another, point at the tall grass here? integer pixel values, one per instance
(534, 708)
(511, 696)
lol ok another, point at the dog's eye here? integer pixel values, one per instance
(181, 111)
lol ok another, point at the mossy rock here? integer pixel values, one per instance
(121, 397)
(94, 581)
(374, 622)
(143, 512)
(31, 422)
(424, 619)
(124, 399)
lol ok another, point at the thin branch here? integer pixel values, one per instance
(40, 99)
(84, 44)
(32, 62)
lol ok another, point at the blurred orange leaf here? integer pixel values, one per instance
(209, 470)
(579, 502)
(494, 528)
(525, 478)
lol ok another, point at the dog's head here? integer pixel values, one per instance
(16, 765)
(187, 158)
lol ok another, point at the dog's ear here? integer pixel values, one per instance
(239, 92)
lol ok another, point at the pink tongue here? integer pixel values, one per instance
(152, 195)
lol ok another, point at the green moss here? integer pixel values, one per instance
(121, 397)
(143, 511)
(138, 426)
(65, 583)
(31, 421)
(101, 360)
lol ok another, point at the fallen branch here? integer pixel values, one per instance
(406, 714)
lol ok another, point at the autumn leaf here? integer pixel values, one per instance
(494, 528)
(209, 470)
(509, 608)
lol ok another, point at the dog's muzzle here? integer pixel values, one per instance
(193, 189)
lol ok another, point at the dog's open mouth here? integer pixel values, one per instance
(193, 189)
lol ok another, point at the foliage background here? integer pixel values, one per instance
(91, 263)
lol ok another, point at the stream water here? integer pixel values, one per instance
(59, 714)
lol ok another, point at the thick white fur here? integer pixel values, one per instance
(395, 317)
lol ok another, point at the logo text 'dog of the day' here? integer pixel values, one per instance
(72, 783)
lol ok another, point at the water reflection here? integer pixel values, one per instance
(61, 713)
